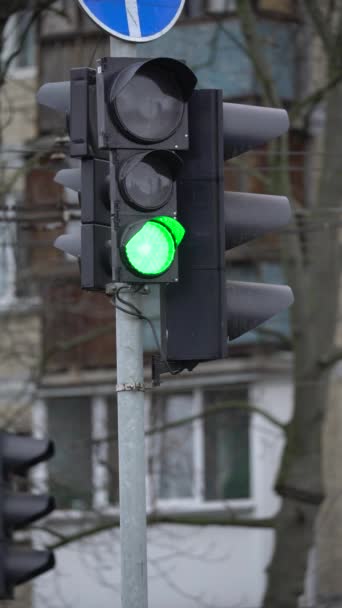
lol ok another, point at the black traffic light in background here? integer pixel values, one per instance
(128, 121)
(203, 309)
(18, 565)
(91, 243)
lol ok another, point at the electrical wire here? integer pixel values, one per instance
(92, 56)
(135, 312)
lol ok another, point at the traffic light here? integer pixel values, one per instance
(142, 108)
(153, 206)
(127, 120)
(91, 244)
(204, 310)
(17, 510)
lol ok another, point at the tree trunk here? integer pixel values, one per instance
(299, 483)
(300, 478)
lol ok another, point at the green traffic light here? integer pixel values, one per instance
(152, 248)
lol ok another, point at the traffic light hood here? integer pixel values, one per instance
(55, 95)
(23, 565)
(19, 452)
(248, 216)
(251, 304)
(246, 127)
(69, 178)
(20, 509)
(70, 243)
(185, 77)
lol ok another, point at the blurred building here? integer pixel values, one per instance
(216, 467)
(20, 319)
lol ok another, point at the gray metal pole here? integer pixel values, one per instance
(120, 48)
(130, 378)
(130, 397)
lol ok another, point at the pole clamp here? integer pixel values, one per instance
(132, 386)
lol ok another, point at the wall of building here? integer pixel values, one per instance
(211, 566)
(20, 325)
(18, 108)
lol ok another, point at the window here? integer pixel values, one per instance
(198, 454)
(208, 458)
(227, 473)
(7, 256)
(174, 447)
(83, 474)
(221, 6)
(199, 8)
(112, 452)
(278, 7)
(18, 40)
(287, 8)
(70, 470)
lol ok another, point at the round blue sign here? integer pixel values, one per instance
(134, 20)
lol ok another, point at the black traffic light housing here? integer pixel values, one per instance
(204, 310)
(143, 188)
(193, 312)
(142, 108)
(77, 99)
(17, 455)
(82, 115)
(93, 244)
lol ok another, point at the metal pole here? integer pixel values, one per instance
(130, 399)
(120, 48)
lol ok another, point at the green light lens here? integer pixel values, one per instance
(151, 250)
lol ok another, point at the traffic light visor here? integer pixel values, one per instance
(55, 95)
(149, 248)
(175, 227)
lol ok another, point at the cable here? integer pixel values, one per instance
(135, 312)
(92, 57)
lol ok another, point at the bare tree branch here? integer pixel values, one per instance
(213, 411)
(320, 24)
(311, 101)
(82, 339)
(255, 53)
(331, 359)
(35, 10)
(185, 519)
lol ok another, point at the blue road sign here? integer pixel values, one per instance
(134, 20)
